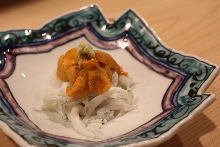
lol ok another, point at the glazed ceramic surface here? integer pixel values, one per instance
(168, 90)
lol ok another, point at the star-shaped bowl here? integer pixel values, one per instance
(169, 90)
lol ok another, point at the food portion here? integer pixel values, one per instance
(88, 72)
(93, 90)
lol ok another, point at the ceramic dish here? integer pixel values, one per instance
(169, 92)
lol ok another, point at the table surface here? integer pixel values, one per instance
(191, 26)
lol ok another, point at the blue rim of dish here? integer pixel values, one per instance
(195, 71)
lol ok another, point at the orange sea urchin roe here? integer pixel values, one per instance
(69, 60)
(91, 77)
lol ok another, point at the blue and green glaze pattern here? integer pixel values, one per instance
(196, 72)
